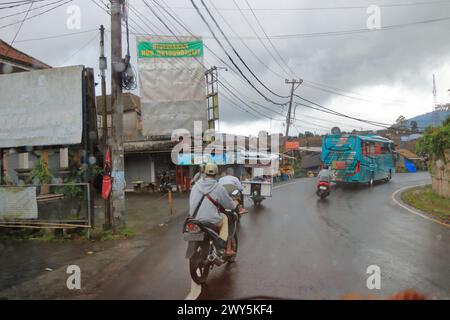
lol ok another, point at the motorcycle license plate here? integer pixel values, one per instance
(323, 188)
(199, 236)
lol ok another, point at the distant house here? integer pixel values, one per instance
(13, 60)
(408, 161)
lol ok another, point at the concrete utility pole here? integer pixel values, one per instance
(103, 65)
(434, 115)
(288, 118)
(117, 152)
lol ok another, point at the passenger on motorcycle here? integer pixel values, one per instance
(209, 212)
(231, 183)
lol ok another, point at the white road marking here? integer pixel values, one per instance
(196, 289)
(394, 194)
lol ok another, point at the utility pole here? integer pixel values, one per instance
(212, 97)
(117, 154)
(434, 114)
(103, 65)
(293, 82)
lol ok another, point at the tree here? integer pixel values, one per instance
(309, 134)
(336, 130)
(413, 125)
(400, 120)
(435, 141)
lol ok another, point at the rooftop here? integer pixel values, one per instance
(15, 56)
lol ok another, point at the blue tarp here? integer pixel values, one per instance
(410, 167)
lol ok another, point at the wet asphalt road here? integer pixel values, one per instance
(299, 247)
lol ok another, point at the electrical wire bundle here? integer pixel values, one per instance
(128, 77)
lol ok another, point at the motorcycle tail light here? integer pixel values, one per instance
(191, 227)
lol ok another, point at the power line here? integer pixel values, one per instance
(259, 38)
(57, 36)
(79, 49)
(270, 41)
(18, 30)
(271, 10)
(14, 4)
(238, 55)
(36, 15)
(230, 58)
(35, 8)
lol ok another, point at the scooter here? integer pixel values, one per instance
(323, 189)
(205, 248)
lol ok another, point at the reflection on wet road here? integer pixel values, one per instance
(297, 246)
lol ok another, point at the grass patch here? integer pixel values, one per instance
(42, 235)
(52, 235)
(425, 199)
(106, 235)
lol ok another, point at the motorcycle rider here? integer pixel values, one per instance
(325, 174)
(232, 183)
(163, 180)
(209, 212)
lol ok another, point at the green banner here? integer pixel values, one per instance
(170, 49)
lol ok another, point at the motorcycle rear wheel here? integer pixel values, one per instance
(198, 268)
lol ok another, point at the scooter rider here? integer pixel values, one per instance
(232, 183)
(325, 174)
(211, 198)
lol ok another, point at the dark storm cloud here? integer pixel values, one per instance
(395, 64)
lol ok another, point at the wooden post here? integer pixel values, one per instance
(170, 202)
(2, 168)
(44, 187)
(176, 176)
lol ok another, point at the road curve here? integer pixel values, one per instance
(296, 246)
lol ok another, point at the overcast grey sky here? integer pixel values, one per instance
(382, 73)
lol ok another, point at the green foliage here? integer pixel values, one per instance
(446, 121)
(70, 189)
(95, 170)
(40, 172)
(435, 141)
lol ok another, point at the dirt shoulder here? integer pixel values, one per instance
(37, 269)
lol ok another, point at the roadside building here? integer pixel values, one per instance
(311, 160)
(17, 164)
(408, 161)
(146, 157)
(13, 60)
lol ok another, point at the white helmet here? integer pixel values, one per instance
(211, 169)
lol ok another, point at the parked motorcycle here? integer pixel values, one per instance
(165, 187)
(323, 189)
(205, 248)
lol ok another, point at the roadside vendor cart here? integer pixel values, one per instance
(259, 186)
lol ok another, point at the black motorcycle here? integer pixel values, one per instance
(164, 185)
(205, 248)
